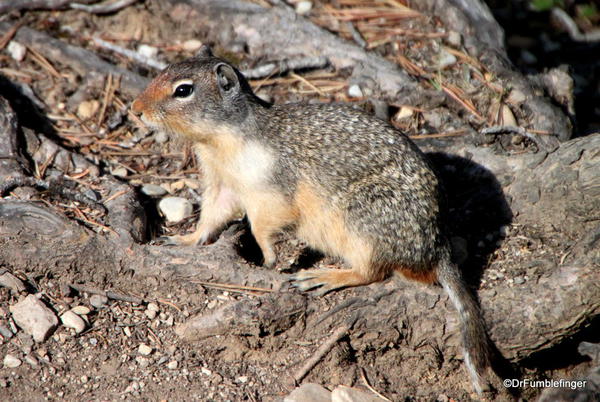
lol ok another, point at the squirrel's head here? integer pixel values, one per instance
(195, 97)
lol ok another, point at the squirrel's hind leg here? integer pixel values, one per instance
(363, 271)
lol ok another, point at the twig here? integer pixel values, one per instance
(452, 133)
(322, 351)
(107, 293)
(515, 130)
(368, 385)
(571, 27)
(232, 287)
(7, 6)
(358, 38)
(135, 56)
(307, 83)
(284, 66)
(7, 37)
(53, 186)
(103, 8)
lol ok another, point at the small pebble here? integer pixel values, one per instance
(519, 280)
(31, 360)
(32, 315)
(87, 109)
(72, 320)
(10, 281)
(192, 45)
(144, 349)
(404, 113)
(11, 361)
(303, 7)
(98, 301)
(446, 59)
(5, 331)
(93, 195)
(206, 371)
(142, 361)
(134, 386)
(153, 307)
(242, 379)
(175, 209)
(16, 50)
(150, 314)
(81, 310)
(147, 51)
(84, 379)
(454, 38)
(169, 321)
(153, 190)
(172, 365)
(355, 92)
(119, 171)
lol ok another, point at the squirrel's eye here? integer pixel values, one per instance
(183, 90)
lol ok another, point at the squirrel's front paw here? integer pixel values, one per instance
(191, 239)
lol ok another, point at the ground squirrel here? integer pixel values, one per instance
(349, 184)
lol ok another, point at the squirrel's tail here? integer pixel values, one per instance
(476, 343)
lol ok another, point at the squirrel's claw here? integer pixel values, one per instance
(178, 240)
(167, 241)
(310, 279)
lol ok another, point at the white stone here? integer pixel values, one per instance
(309, 392)
(119, 171)
(144, 349)
(87, 109)
(507, 116)
(147, 51)
(346, 394)
(192, 45)
(72, 320)
(172, 365)
(153, 307)
(446, 59)
(454, 38)
(10, 281)
(11, 361)
(32, 315)
(355, 92)
(16, 50)
(150, 314)
(81, 310)
(153, 190)
(304, 7)
(404, 112)
(175, 209)
(142, 361)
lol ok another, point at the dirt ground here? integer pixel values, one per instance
(105, 361)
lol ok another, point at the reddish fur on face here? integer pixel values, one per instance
(158, 89)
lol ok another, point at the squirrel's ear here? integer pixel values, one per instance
(204, 52)
(227, 79)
